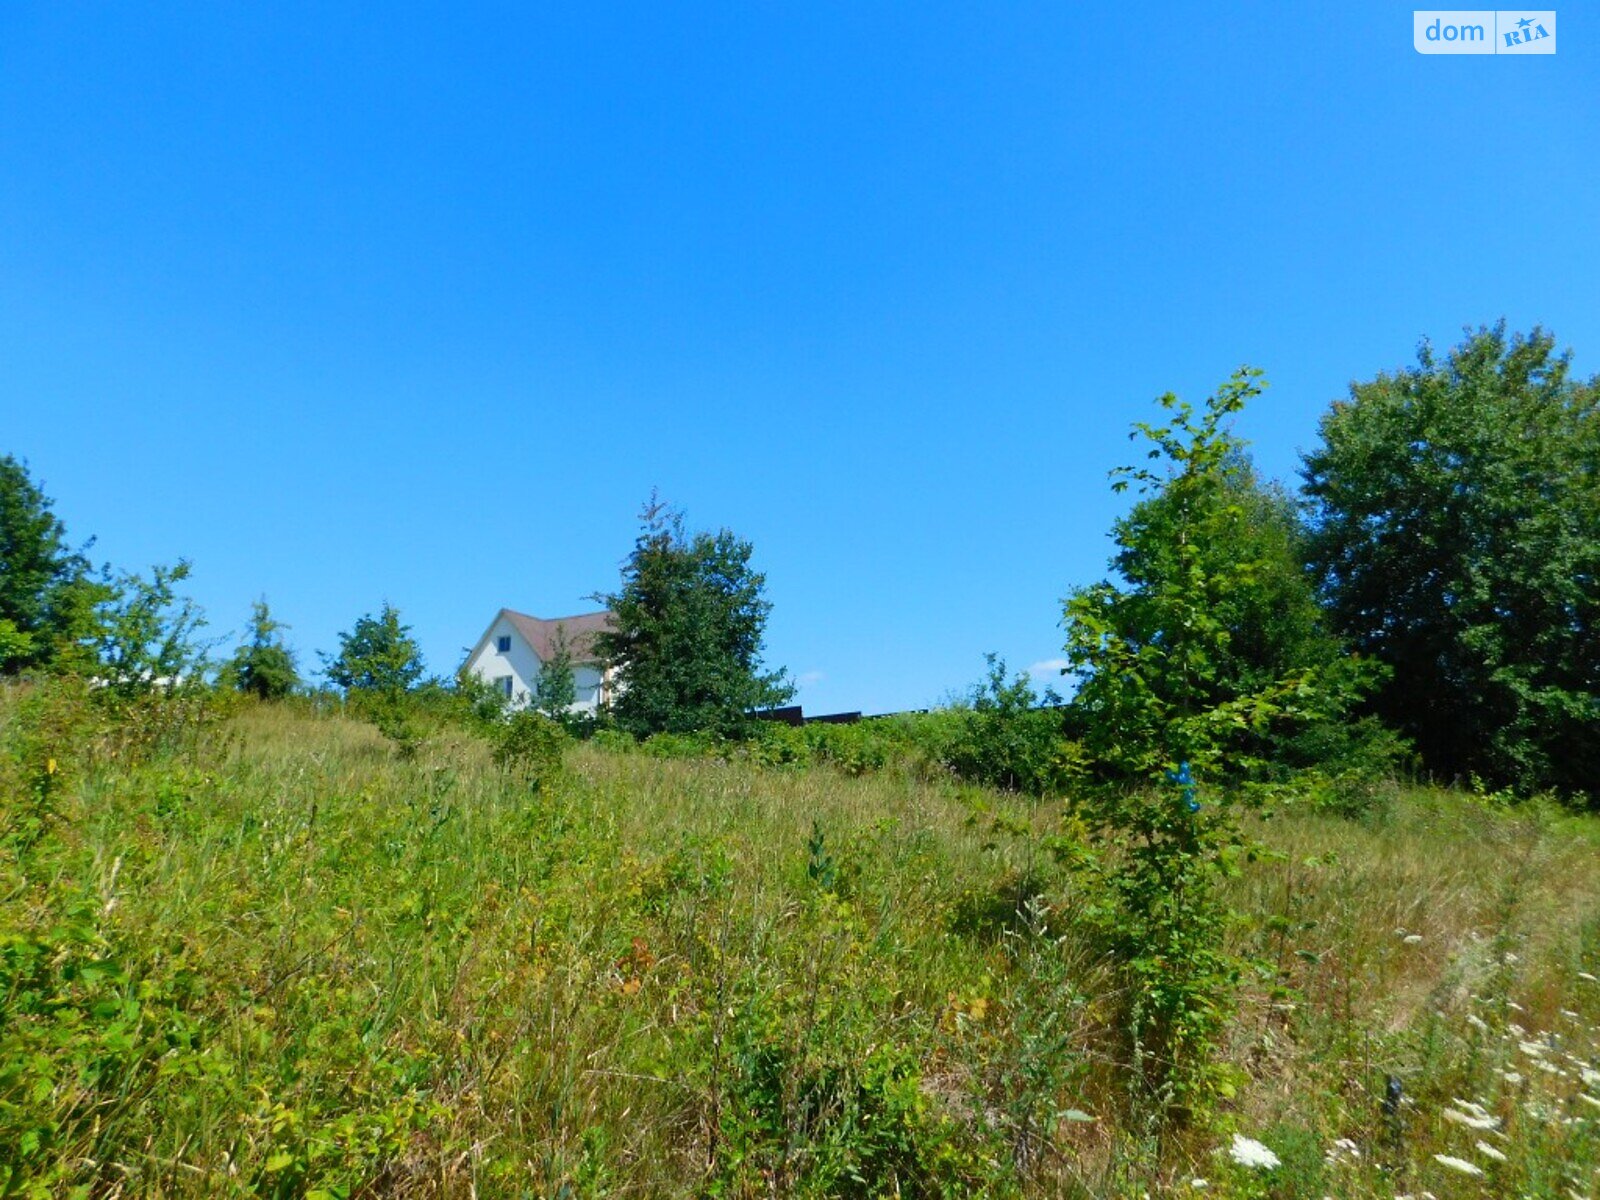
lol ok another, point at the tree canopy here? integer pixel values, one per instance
(147, 635)
(687, 629)
(1213, 626)
(47, 594)
(1455, 511)
(264, 666)
(557, 688)
(378, 654)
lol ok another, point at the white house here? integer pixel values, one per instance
(515, 647)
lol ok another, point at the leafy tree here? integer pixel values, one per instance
(474, 700)
(1214, 607)
(148, 635)
(1245, 535)
(686, 637)
(377, 655)
(264, 666)
(47, 594)
(1176, 665)
(557, 688)
(1455, 509)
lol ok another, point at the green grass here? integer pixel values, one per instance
(282, 961)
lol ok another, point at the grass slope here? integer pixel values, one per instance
(284, 962)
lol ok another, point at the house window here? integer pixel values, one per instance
(503, 644)
(504, 684)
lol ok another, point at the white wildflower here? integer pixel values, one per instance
(1477, 1023)
(1531, 1049)
(1589, 1100)
(1587, 978)
(1489, 1151)
(1248, 1152)
(1473, 1116)
(1458, 1164)
(1340, 1151)
(1512, 1004)
(1199, 1185)
(1411, 939)
(1514, 1078)
(1590, 1078)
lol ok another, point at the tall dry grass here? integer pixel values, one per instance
(286, 962)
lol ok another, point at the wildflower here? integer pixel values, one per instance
(1590, 1078)
(1248, 1152)
(1489, 1151)
(1458, 1164)
(1341, 1151)
(1514, 1078)
(1199, 1185)
(1473, 1116)
(1477, 1023)
(1531, 1049)
(1589, 1100)
(1411, 939)
(1587, 978)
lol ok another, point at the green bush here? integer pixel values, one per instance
(395, 714)
(853, 749)
(614, 740)
(531, 745)
(1005, 740)
(685, 745)
(832, 1123)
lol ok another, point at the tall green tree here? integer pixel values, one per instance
(556, 690)
(1455, 509)
(687, 630)
(148, 634)
(264, 666)
(378, 654)
(1185, 663)
(47, 592)
(1211, 606)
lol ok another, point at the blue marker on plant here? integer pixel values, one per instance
(1185, 782)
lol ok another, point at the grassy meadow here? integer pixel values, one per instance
(271, 957)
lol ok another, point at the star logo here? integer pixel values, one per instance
(1524, 23)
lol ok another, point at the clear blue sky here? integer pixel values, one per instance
(418, 303)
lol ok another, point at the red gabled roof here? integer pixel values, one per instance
(540, 632)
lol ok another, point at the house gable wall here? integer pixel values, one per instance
(522, 665)
(520, 662)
